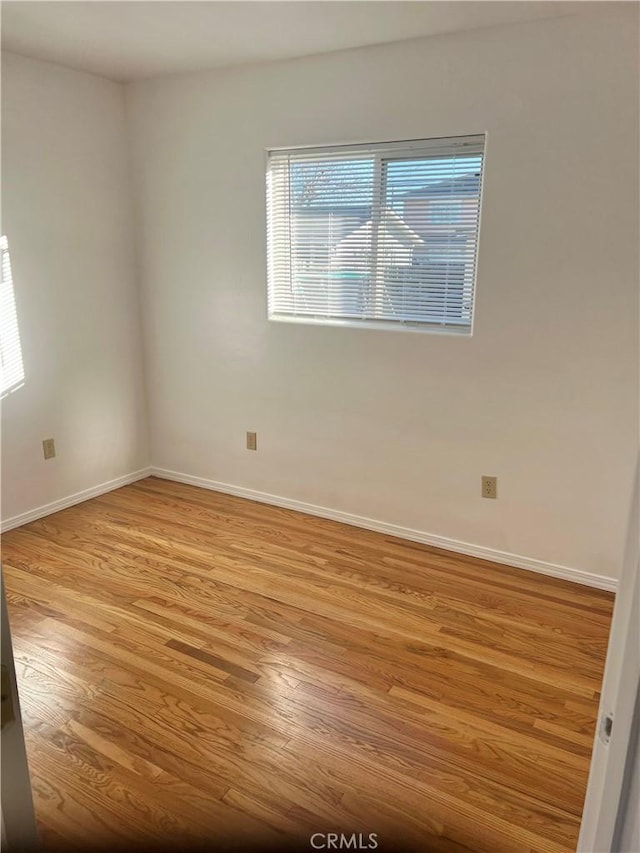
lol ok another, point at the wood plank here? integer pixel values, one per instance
(246, 671)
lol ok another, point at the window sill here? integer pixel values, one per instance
(380, 325)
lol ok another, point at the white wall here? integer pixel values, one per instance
(395, 426)
(67, 213)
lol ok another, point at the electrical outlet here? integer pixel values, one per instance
(489, 487)
(252, 441)
(48, 448)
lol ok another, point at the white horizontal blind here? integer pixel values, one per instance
(375, 234)
(12, 371)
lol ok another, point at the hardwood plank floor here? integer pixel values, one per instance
(193, 665)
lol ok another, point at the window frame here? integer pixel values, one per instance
(383, 153)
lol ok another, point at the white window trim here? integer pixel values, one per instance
(383, 151)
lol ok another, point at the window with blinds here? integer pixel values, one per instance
(12, 371)
(379, 235)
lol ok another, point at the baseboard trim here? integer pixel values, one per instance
(517, 560)
(71, 500)
(529, 563)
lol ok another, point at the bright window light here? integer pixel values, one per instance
(12, 375)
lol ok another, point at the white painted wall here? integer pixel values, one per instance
(395, 426)
(67, 213)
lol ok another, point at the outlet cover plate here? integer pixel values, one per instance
(48, 448)
(489, 487)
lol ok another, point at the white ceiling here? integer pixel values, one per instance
(132, 40)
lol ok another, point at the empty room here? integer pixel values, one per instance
(320, 426)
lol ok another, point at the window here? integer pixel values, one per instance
(10, 349)
(381, 235)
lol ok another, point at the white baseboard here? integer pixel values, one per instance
(71, 500)
(480, 551)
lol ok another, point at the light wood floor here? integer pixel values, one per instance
(192, 664)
